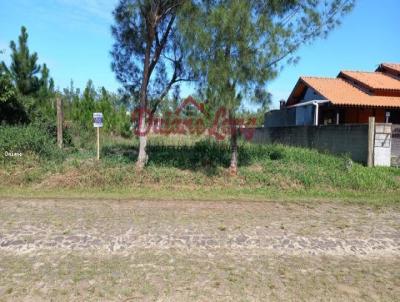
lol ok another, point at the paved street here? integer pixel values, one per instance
(188, 249)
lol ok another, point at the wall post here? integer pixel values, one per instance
(371, 140)
(60, 118)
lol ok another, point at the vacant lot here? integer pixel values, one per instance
(106, 250)
(186, 167)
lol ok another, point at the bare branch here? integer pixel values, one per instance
(307, 36)
(161, 44)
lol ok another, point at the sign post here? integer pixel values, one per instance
(98, 123)
(60, 118)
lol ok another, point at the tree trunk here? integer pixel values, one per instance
(234, 147)
(148, 67)
(142, 156)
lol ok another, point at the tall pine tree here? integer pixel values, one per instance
(147, 57)
(235, 47)
(24, 68)
(32, 87)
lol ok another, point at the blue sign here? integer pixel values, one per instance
(97, 119)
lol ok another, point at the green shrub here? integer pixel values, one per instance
(49, 126)
(26, 139)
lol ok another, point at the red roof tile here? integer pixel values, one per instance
(372, 80)
(340, 92)
(392, 66)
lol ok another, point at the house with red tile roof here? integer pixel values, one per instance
(350, 98)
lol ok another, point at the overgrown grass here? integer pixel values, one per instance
(199, 165)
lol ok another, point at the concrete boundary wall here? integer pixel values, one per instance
(336, 139)
(395, 147)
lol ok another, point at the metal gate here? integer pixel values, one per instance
(395, 145)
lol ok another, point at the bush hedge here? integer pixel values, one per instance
(31, 138)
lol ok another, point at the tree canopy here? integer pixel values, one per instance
(26, 88)
(147, 50)
(24, 67)
(236, 47)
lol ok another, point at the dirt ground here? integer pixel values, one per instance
(110, 250)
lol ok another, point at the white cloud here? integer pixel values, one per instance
(95, 8)
(87, 15)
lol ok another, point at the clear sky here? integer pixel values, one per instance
(73, 37)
